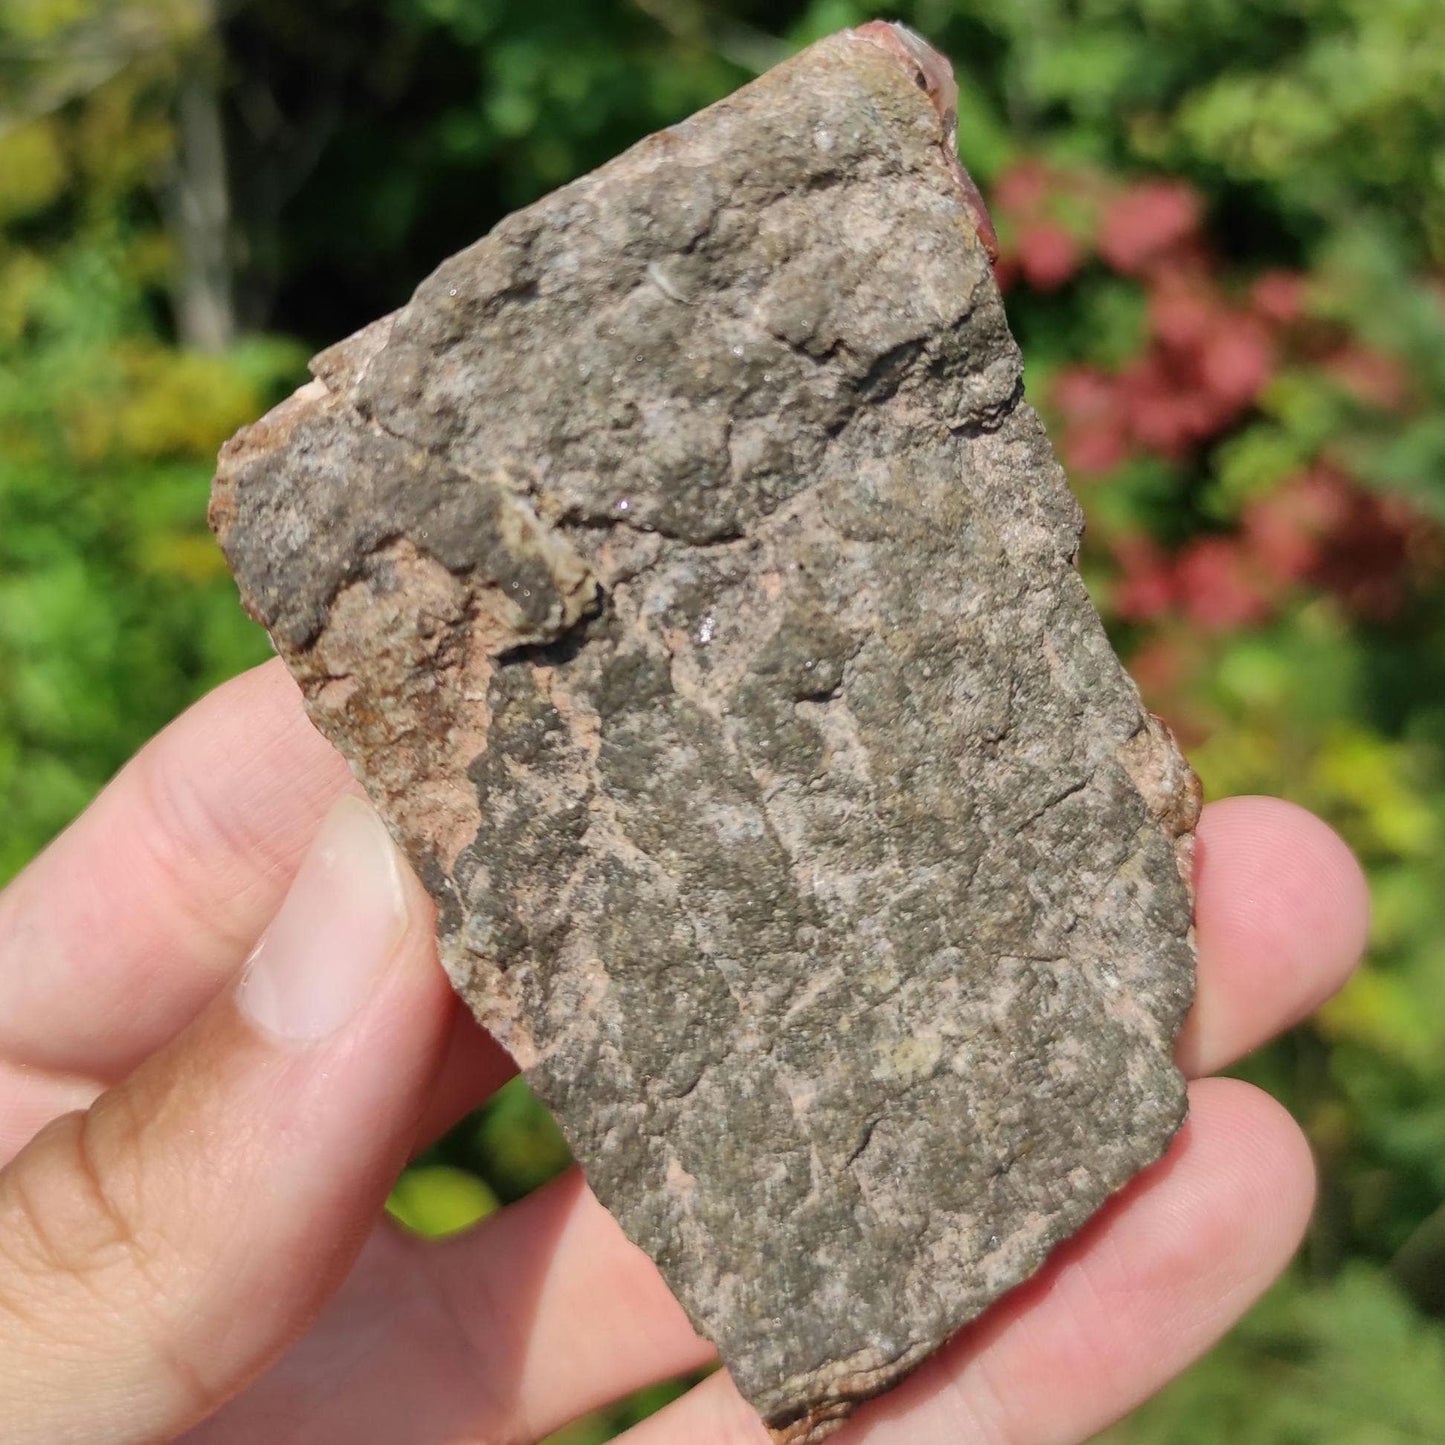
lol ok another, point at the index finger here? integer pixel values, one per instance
(118, 934)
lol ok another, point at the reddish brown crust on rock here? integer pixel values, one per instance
(934, 75)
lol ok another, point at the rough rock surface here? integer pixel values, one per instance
(692, 589)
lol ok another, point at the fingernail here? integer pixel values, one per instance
(337, 929)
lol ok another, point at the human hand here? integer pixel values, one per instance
(203, 1248)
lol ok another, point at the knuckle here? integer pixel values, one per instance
(68, 1212)
(179, 823)
(80, 1251)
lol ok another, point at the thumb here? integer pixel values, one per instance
(160, 1249)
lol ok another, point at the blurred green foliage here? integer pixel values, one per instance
(1224, 251)
(435, 1200)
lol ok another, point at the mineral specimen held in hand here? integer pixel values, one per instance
(687, 581)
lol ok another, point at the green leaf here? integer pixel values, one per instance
(435, 1200)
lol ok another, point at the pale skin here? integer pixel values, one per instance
(193, 1242)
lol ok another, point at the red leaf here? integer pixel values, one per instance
(1084, 393)
(1146, 221)
(1182, 314)
(1161, 665)
(1371, 546)
(1237, 360)
(1167, 411)
(1095, 439)
(1162, 426)
(1145, 588)
(1283, 530)
(1092, 448)
(1217, 587)
(1021, 191)
(1370, 376)
(1279, 297)
(1048, 255)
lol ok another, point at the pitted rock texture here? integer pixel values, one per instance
(687, 581)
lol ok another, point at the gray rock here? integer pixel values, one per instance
(687, 581)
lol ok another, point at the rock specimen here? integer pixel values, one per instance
(687, 581)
